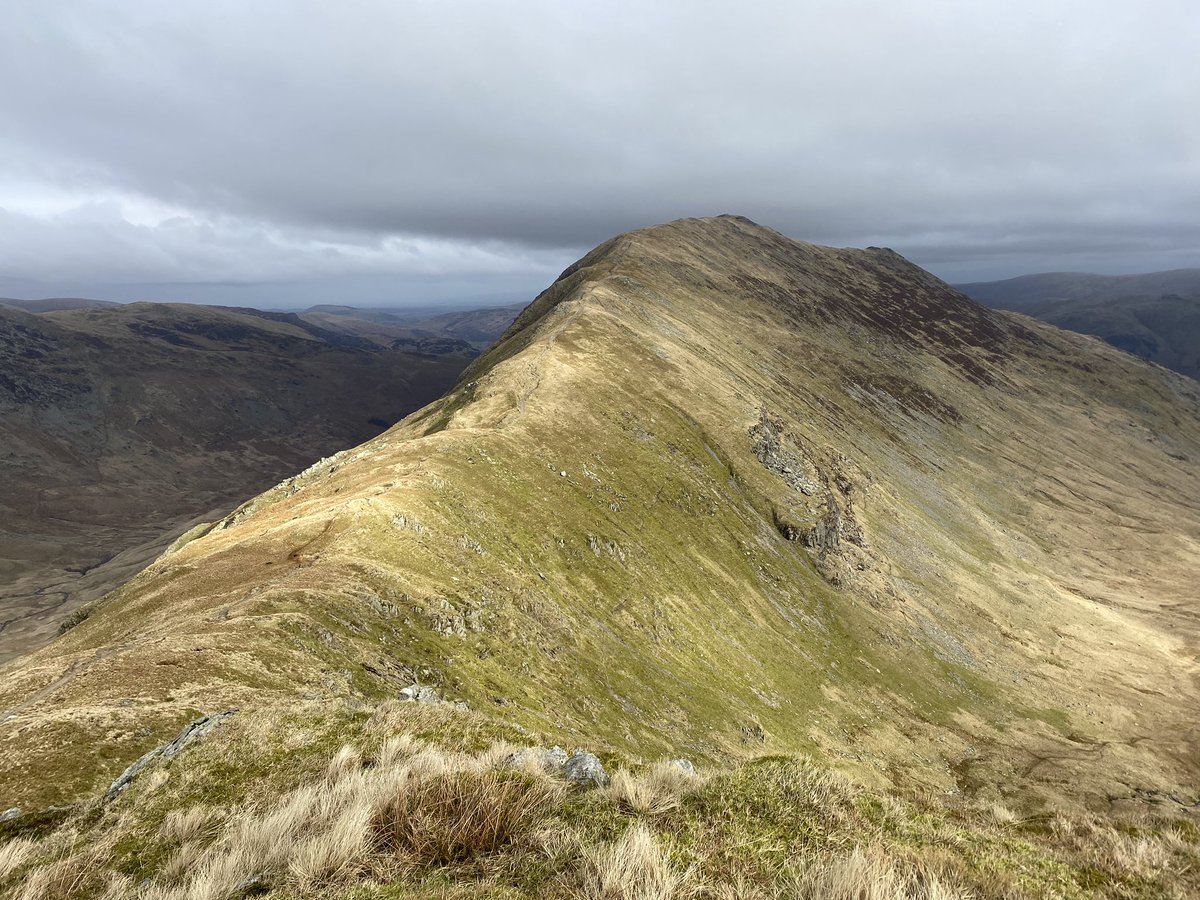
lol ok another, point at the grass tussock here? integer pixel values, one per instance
(77, 875)
(462, 815)
(633, 868)
(655, 791)
(870, 874)
(183, 826)
(13, 855)
(410, 806)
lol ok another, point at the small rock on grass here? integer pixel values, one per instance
(585, 769)
(685, 766)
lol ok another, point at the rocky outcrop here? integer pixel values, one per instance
(420, 693)
(819, 511)
(785, 461)
(423, 693)
(582, 768)
(552, 761)
(685, 766)
(195, 730)
(825, 534)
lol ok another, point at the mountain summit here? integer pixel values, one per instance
(715, 493)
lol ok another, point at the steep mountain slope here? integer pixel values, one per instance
(122, 426)
(1155, 316)
(716, 493)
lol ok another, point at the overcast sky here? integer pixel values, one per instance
(376, 151)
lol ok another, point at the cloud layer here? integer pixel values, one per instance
(275, 142)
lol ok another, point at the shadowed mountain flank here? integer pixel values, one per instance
(715, 493)
(1155, 316)
(123, 426)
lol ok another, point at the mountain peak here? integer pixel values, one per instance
(875, 293)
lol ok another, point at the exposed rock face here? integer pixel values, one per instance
(552, 761)
(820, 514)
(825, 534)
(788, 463)
(419, 693)
(685, 766)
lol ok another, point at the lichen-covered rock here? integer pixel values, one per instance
(789, 464)
(585, 769)
(422, 693)
(554, 759)
(9, 814)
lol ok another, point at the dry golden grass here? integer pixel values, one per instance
(182, 860)
(869, 874)
(1001, 814)
(75, 875)
(657, 790)
(1118, 854)
(411, 805)
(394, 750)
(347, 760)
(634, 868)
(183, 826)
(13, 855)
(404, 814)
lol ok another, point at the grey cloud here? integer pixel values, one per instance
(305, 140)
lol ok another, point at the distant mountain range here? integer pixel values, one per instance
(55, 304)
(122, 423)
(1155, 316)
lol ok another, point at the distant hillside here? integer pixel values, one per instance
(55, 304)
(1155, 316)
(413, 329)
(120, 424)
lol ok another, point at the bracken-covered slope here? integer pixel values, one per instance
(716, 493)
